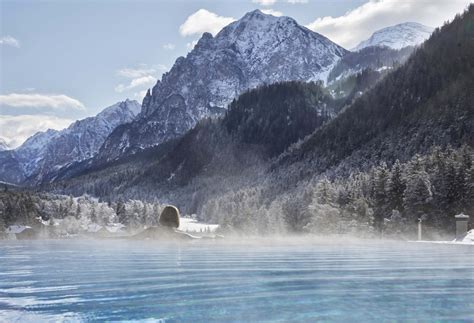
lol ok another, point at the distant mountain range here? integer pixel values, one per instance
(258, 49)
(48, 151)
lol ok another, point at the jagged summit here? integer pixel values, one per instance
(256, 49)
(257, 33)
(398, 36)
(257, 13)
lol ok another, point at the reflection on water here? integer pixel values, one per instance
(202, 281)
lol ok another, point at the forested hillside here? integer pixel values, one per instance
(259, 125)
(426, 102)
(384, 200)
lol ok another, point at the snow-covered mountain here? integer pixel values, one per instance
(50, 150)
(254, 50)
(398, 36)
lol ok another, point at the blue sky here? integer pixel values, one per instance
(64, 60)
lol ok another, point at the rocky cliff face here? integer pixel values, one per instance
(257, 49)
(45, 152)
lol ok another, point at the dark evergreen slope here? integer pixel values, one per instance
(347, 89)
(259, 125)
(428, 101)
(275, 116)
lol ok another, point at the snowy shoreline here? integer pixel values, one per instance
(467, 240)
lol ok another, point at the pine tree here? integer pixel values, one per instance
(395, 187)
(78, 211)
(121, 213)
(3, 223)
(381, 210)
(93, 213)
(324, 192)
(417, 195)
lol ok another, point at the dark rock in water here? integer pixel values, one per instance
(170, 217)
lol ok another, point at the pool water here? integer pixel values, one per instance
(264, 280)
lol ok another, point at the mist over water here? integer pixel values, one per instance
(230, 280)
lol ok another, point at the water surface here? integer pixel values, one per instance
(222, 281)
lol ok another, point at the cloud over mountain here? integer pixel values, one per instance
(35, 100)
(358, 24)
(204, 21)
(16, 129)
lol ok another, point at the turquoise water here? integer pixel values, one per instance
(220, 281)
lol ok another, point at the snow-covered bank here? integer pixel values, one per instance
(467, 240)
(449, 242)
(192, 225)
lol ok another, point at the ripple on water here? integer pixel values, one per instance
(117, 280)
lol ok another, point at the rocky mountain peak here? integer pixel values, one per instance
(257, 49)
(254, 14)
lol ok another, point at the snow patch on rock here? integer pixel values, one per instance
(398, 36)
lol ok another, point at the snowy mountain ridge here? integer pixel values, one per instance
(52, 149)
(398, 36)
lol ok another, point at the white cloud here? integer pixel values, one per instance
(16, 129)
(269, 3)
(358, 24)
(135, 72)
(265, 2)
(191, 44)
(169, 46)
(142, 76)
(141, 71)
(50, 101)
(140, 95)
(204, 21)
(272, 12)
(297, 1)
(9, 41)
(135, 83)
